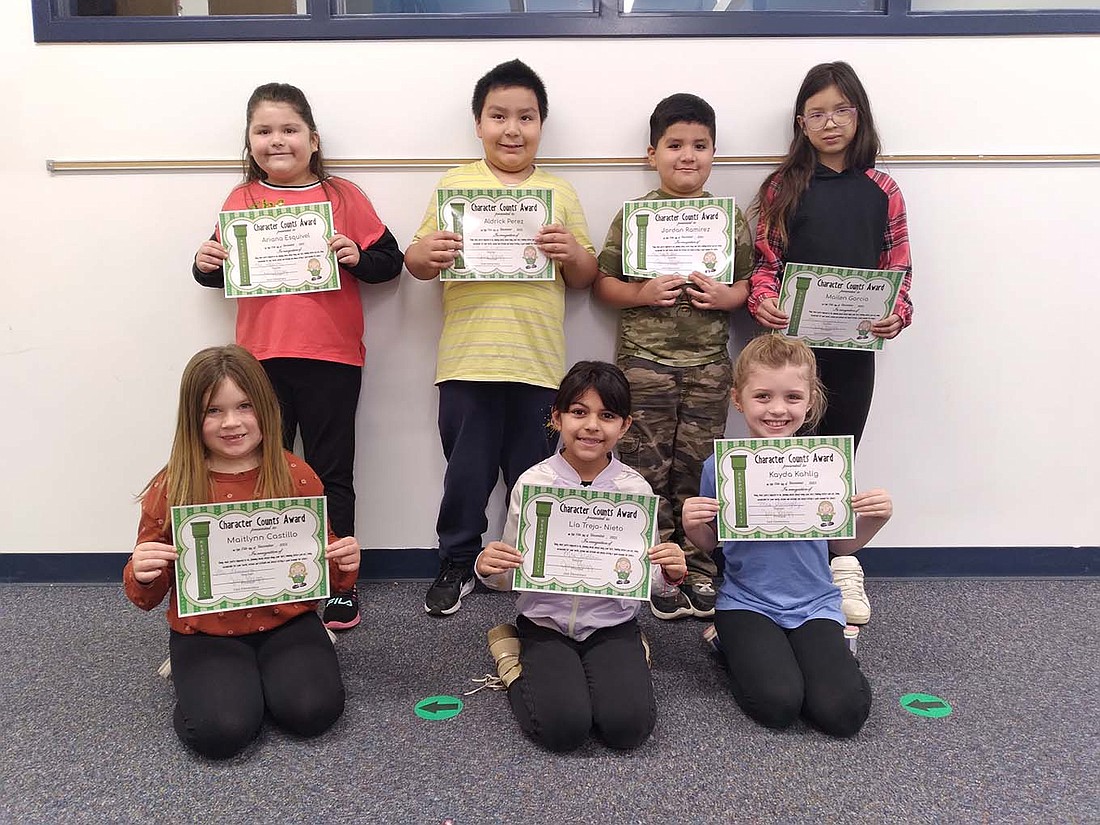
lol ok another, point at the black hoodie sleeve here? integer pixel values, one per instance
(214, 279)
(379, 262)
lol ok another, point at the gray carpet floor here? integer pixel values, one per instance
(86, 736)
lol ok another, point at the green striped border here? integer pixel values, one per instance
(546, 196)
(893, 276)
(727, 205)
(322, 209)
(649, 504)
(723, 447)
(180, 515)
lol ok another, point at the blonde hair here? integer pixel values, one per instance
(186, 474)
(775, 351)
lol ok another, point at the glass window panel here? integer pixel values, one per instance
(641, 6)
(461, 6)
(178, 8)
(1005, 5)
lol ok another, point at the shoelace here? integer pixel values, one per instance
(451, 575)
(486, 682)
(850, 583)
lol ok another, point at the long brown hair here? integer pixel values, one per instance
(186, 474)
(293, 97)
(774, 350)
(791, 180)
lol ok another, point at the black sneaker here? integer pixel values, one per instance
(341, 610)
(701, 596)
(445, 595)
(670, 605)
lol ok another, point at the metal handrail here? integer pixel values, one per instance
(68, 166)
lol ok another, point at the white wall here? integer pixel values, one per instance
(99, 312)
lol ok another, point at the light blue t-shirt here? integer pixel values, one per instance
(787, 581)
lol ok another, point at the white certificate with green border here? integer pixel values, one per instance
(833, 307)
(678, 237)
(784, 488)
(279, 251)
(585, 542)
(498, 229)
(250, 553)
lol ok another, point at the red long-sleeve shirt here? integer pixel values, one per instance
(156, 525)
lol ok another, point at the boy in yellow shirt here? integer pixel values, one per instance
(673, 347)
(502, 350)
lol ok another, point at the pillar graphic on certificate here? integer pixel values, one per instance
(784, 488)
(498, 229)
(238, 555)
(678, 237)
(279, 251)
(585, 542)
(834, 307)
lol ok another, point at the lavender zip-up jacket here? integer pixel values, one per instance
(574, 616)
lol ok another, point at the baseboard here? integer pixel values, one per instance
(423, 564)
(74, 568)
(965, 562)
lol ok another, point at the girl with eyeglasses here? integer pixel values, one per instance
(827, 204)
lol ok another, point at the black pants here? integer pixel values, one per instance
(320, 398)
(849, 379)
(486, 427)
(567, 687)
(224, 684)
(778, 675)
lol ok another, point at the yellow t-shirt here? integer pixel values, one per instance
(505, 330)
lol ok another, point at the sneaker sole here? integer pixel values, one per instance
(702, 614)
(466, 590)
(679, 612)
(343, 625)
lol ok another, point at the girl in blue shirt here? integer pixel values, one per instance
(778, 612)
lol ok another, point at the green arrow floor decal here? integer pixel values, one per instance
(435, 708)
(925, 704)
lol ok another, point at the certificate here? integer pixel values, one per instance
(279, 251)
(784, 488)
(498, 229)
(678, 237)
(250, 553)
(833, 308)
(585, 542)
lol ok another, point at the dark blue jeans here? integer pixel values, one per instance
(487, 427)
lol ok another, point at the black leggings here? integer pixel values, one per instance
(320, 399)
(849, 379)
(778, 675)
(224, 683)
(567, 687)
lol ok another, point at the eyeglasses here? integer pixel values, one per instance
(841, 117)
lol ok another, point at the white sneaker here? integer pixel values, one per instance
(848, 576)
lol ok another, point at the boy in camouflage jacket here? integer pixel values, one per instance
(673, 346)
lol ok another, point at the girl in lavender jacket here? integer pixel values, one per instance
(583, 663)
